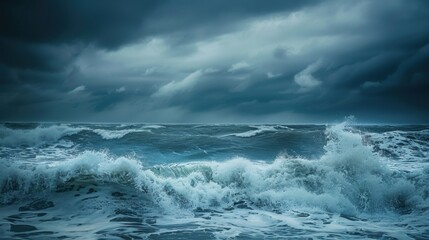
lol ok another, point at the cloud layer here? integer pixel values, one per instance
(214, 61)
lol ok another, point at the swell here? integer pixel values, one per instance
(257, 130)
(48, 134)
(117, 134)
(35, 136)
(349, 178)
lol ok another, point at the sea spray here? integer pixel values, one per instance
(348, 178)
(179, 178)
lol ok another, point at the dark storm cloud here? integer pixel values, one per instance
(32, 33)
(106, 23)
(187, 61)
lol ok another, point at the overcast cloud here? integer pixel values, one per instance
(214, 61)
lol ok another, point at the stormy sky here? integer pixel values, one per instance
(220, 61)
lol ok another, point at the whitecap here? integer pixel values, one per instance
(349, 179)
(257, 130)
(116, 134)
(36, 136)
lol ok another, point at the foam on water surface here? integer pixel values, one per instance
(348, 191)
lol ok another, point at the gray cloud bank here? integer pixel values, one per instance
(214, 61)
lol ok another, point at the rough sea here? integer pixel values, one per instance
(137, 181)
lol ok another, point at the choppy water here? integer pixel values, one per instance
(213, 181)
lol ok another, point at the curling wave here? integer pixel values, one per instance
(36, 136)
(117, 134)
(48, 134)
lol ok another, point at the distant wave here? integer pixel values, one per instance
(257, 130)
(153, 126)
(348, 178)
(116, 134)
(50, 134)
(36, 136)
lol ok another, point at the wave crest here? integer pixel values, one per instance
(36, 136)
(257, 130)
(117, 134)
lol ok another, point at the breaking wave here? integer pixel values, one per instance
(349, 178)
(35, 136)
(257, 130)
(44, 134)
(117, 134)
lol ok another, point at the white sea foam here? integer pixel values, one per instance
(350, 178)
(401, 148)
(349, 191)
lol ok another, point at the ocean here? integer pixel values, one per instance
(146, 181)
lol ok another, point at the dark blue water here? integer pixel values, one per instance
(117, 181)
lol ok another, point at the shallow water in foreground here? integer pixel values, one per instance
(113, 181)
